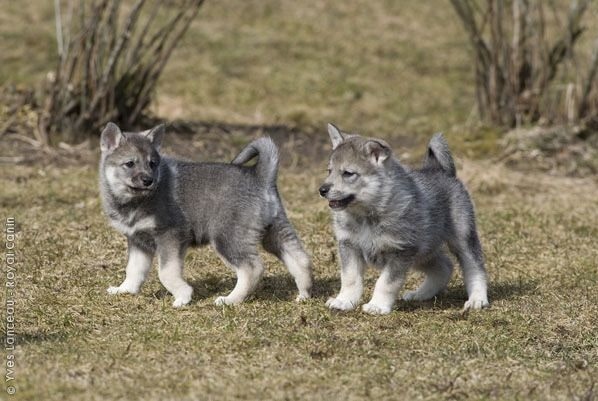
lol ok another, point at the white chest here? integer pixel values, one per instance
(371, 239)
(129, 228)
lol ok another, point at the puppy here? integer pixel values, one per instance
(164, 206)
(396, 219)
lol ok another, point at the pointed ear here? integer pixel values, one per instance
(111, 138)
(155, 135)
(377, 151)
(336, 137)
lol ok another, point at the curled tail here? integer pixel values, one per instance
(267, 164)
(439, 155)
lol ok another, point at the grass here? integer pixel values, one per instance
(397, 70)
(382, 68)
(372, 66)
(538, 341)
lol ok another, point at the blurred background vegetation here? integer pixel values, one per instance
(389, 69)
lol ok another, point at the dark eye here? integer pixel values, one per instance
(348, 174)
(153, 164)
(129, 164)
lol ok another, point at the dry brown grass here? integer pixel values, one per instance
(400, 68)
(538, 341)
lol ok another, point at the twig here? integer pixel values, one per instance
(588, 83)
(5, 127)
(30, 141)
(123, 39)
(572, 32)
(144, 95)
(58, 23)
(108, 71)
(134, 53)
(11, 159)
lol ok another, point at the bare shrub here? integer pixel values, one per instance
(108, 66)
(517, 62)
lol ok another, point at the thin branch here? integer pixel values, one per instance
(107, 71)
(565, 42)
(134, 53)
(123, 39)
(589, 83)
(194, 5)
(58, 23)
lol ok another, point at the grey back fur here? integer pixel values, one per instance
(232, 207)
(396, 218)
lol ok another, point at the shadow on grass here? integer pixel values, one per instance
(511, 289)
(276, 287)
(455, 296)
(38, 337)
(283, 288)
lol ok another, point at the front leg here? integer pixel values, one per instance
(352, 268)
(171, 254)
(140, 261)
(387, 288)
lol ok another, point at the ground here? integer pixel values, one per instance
(395, 70)
(537, 341)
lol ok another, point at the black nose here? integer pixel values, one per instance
(324, 189)
(147, 181)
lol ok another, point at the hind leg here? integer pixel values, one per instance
(438, 271)
(469, 252)
(281, 240)
(248, 277)
(246, 263)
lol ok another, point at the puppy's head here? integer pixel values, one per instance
(355, 171)
(130, 161)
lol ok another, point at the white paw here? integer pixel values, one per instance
(183, 296)
(340, 304)
(180, 302)
(302, 297)
(122, 289)
(220, 301)
(476, 302)
(374, 309)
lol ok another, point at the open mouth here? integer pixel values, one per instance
(341, 203)
(139, 189)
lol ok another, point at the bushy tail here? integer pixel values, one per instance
(439, 155)
(267, 164)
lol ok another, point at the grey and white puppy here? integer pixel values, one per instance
(397, 219)
(163, 206)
